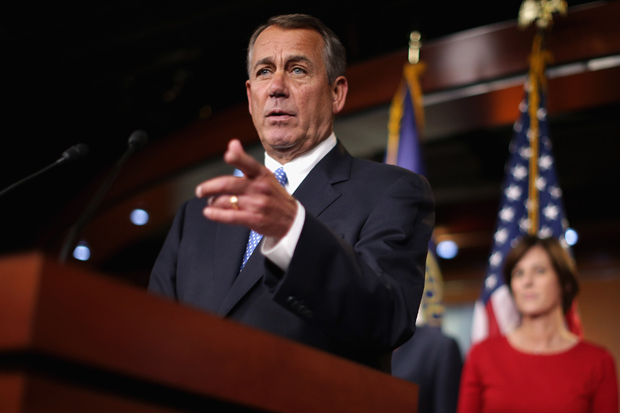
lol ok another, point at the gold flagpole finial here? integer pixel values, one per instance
(540, 11)
(414, 47)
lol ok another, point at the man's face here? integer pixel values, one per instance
(290, 100)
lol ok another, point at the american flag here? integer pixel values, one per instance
(494, 311)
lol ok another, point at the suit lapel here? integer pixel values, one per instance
(229, 250)
(316, 194)
(247, 278)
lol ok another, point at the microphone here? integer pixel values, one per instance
(74, 153)
(136, 141)
(70, 155)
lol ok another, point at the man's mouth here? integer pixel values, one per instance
(275, 114)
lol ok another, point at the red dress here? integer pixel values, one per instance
(498, 378)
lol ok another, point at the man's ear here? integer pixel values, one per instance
(248, 86)
(339, 92)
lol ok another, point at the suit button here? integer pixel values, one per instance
(293, 302)
(299, 306)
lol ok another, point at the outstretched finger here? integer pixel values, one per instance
(237, 157)
(221, 185)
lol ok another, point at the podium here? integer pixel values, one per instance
(76, 341)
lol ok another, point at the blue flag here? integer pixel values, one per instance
(405, 124)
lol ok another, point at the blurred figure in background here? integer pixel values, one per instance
(431, 359)
(541, 366)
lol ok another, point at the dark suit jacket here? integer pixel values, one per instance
(433, 361)
(355, 281)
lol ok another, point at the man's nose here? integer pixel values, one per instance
(279, 85)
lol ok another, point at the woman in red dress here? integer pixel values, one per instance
(540, 366)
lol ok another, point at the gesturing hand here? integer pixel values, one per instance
(261, 203)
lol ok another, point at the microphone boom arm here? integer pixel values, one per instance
(137, 140)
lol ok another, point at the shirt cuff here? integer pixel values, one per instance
(281, 253)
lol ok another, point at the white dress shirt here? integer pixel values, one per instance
(281, 253)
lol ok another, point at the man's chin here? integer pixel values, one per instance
(280, 143)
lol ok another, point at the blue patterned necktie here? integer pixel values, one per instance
(255, 237)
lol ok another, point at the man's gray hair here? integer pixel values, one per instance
(334, 55)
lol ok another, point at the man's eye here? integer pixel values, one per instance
(263, 72)
(298, 71)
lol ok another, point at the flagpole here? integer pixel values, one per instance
(540, 12)
(536, 72)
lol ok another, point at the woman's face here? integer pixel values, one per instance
(535, 284)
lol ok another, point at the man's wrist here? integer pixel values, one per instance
(280, 252)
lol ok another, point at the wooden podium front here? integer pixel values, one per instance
(72, 341)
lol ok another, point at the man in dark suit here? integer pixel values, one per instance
(341, 263)
(432, 360)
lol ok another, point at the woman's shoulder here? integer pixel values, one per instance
(490, 346)
(491, 342)
(593, 350)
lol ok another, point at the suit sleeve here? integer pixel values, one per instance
(448, 377)
(363, 296)
(163, 276)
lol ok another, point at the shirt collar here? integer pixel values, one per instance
(297, 169)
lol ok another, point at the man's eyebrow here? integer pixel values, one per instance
(289, 59)
(298, 59)
(263, 61)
